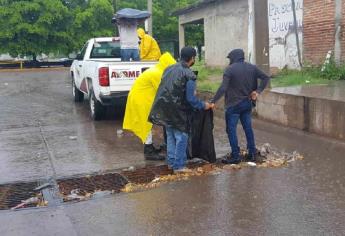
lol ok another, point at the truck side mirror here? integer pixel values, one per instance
(79, 57)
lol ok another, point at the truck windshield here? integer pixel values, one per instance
(106, 50)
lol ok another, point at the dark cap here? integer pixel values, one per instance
(187, 53)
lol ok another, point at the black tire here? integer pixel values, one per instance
(77, 94)
(97, 110)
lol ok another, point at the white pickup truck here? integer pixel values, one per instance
(98, 73)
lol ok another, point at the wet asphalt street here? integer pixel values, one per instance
(38, 118)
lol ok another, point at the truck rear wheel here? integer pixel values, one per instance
(77, 94)
(97, 110)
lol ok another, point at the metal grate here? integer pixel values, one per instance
(146, 174)
(81, 188)
(89, 184)
(12, 195)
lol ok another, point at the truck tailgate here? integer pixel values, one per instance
(123, 74)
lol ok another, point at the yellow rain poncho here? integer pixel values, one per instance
(141, 96)
(149, 49)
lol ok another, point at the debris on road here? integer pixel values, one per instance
(270, 159)
(251, 163)
(37, 201)
(75, 195)
(131, 168)
(157, 181)
(73, 137)
(134, 179)
(265, 150)
(100, 193)
(43, 186)
(119, 133)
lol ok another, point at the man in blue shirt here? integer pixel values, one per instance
(173, 105)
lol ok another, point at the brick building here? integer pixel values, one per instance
(319, 29)
(323, 30)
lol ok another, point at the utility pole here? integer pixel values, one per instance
(293, 5)
(338, 20)
(149, 8)
(115, 6)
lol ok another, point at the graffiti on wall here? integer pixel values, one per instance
(282, 38)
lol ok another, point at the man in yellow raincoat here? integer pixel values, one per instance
(139, 103)
(149, 49)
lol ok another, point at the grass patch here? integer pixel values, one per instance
(309, 75)
(294, 78)
(208, 86)
(209, 78)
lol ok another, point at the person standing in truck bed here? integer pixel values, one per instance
(149, 48)
(129, 41)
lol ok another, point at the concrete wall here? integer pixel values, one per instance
(321, 116)
(226, 28)
(282, 39)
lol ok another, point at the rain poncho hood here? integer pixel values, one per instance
(141, 33)
(149, 48)
(141, 97)
(236, 55)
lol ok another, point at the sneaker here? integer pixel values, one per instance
(231, 161)
(183, 170)
(253, 158)
(152, 154)
(163, 148)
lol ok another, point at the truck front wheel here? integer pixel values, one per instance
(97, 110)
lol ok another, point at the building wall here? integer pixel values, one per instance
(319, 29)
(225, 28)
(343, 32)
(314, 115)
(282, 37)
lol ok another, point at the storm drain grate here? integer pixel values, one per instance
(23, 195)
(89, 184)
(11, 195)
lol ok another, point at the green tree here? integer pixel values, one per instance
(92, 20)
(34, 27)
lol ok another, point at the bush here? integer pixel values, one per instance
(333, 72)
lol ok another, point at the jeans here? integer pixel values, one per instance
(177, 142)
(242, 112)
(127, 54)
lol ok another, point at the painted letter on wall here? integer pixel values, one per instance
(283, 47)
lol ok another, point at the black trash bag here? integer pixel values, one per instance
(170, 107)
(201, 143)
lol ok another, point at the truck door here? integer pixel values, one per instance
(79, 70)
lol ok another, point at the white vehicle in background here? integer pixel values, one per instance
(98, 73)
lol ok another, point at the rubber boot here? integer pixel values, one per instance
(152, 154)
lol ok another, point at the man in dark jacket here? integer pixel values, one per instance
(240, 86)
(173, 106)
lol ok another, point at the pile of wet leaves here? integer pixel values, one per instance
(197, 171)
(133, 179)
(268, 159)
